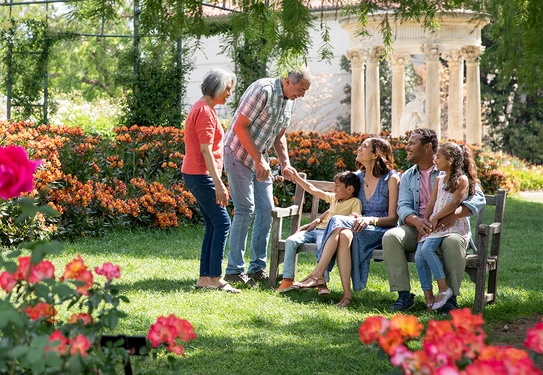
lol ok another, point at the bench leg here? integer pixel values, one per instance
(480, 289)
(274, 268)
(493, 283)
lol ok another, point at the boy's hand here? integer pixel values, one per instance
(289, 172)
(360, 223)
(309, 227)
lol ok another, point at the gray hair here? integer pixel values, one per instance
(299, 74)
(215, 82)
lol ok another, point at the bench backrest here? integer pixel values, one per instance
(497, 200)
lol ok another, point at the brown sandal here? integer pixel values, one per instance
(345, 301)
(310, 282)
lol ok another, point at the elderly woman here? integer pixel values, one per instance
(202, 169)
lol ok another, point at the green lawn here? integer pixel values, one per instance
(262, 332)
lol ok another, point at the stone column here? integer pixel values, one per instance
(373, 107)
(473, 95)
(455, 126)
(433, 109)
(397, 62)
(358, 100)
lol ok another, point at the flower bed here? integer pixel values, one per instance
(96, 183)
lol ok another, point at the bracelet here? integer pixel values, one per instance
(375, 221)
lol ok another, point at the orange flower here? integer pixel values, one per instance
(74, 268)
(84, 318)
(86, 277)
(390, 341)
(464, 320)
(41, 310)
(372, 328)
(437, 329)
(408, 325)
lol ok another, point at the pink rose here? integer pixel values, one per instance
(60, 340)
(41, 271)
(7, 281)
(109, 270)
(16, 172)
(80, 344)
(534, 338)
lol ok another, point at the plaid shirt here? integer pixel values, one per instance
(264, 105)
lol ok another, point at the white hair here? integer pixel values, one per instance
(215, 82)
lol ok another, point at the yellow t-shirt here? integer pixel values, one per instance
(345, 207)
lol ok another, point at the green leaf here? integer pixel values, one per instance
(18, 351)
(42, 248)
(110, 320)
(48, 211)
(40, 290)
(74, 364)
(124, 299)
(14, 254)
(53, 361)
(11, 267)
(28, 209)
(63, 291)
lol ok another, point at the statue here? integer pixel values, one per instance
(413, 114)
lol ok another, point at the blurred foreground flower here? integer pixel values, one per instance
(16, 172)
(455, 347)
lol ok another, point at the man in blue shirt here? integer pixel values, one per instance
(415, 191)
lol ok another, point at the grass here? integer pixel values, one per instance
(262, 332)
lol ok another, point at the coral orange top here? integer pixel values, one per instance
(202, 127)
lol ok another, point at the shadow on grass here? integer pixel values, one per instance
(316, 345)
(159, 285)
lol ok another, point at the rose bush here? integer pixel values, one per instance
(34, 338)
(449, 347)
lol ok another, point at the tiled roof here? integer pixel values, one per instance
(225, 7)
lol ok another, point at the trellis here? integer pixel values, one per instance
(135, 36)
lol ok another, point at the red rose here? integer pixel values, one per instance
(16, 172)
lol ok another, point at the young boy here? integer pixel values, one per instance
(343, 201)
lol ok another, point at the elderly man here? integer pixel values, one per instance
(259, 123)
(415, 191)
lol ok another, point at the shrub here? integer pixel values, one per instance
(34, 340)
(134, 178)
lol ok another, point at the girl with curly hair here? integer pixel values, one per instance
(450, 189)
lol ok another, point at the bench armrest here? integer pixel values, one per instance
(280, 212)
(489, 229)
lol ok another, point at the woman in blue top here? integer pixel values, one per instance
(379, 196)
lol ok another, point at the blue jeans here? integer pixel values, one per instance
(252, 199)
(217, 223)
(426, 259)
(293, 243)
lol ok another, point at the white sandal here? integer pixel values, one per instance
(445, 297)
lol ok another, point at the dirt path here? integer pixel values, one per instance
(514, 334)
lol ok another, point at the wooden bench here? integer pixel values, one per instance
(134, 345)
(482, 267)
